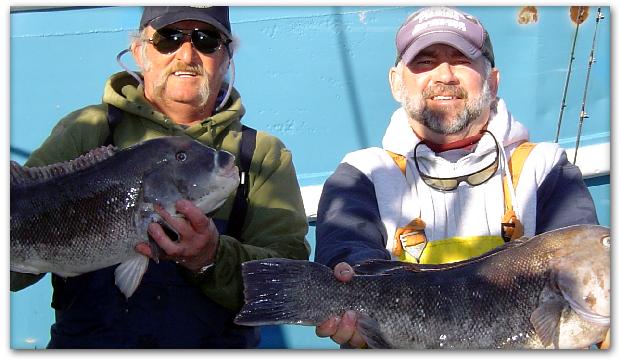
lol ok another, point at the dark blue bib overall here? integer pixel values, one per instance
(164, 312)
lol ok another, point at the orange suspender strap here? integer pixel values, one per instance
(512, 228)
(400, 160)
(416, 228)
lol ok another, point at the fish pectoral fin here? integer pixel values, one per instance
(370, 330)
(128, 275)
(546, 319)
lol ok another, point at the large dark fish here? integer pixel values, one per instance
(549, 291)
(89, 213)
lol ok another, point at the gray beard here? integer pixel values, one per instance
(436, 120)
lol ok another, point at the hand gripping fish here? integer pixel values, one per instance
(549, 291)
(89, 213)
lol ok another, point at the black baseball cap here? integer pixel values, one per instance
(161, 16)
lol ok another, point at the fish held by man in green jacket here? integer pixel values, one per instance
(551, 291)
(89, 213)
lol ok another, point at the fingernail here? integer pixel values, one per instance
(350, 315)
(345, 272)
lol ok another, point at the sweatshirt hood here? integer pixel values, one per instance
(124, 92)
(399, 137)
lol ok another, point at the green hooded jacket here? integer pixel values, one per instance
(275, 224)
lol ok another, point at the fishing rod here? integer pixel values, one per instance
(571, 61)
(583, 114)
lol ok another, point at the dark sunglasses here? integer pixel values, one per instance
(169, 40)
(451, 183)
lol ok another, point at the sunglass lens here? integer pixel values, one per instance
(483, 175)
(441, 184)
(205, 41)
(167, 40)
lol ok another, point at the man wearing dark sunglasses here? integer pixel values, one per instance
(189, 298)
(455, 176)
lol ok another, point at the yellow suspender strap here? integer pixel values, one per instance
(415, 230)
(511, 227)
(400, 160)
(516, 162)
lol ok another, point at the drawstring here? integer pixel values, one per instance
(230, 87)
(130, 72)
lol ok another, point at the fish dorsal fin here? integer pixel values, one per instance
(26, 176)
(391, 267)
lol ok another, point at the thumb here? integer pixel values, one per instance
(343, 272)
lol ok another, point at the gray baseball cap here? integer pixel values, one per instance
(443, 25)
(161, 16)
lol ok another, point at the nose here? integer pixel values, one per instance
(186, 52)
(444, 74)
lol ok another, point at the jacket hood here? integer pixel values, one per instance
(124, 92)
(399, 137)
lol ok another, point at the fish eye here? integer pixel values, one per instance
(606, 241)
(181, 156)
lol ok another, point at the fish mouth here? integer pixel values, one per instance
(205, 203)
(213, 198)
(225, 163)
(229, 171)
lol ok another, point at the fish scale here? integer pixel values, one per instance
(95, 224)
(508, 298)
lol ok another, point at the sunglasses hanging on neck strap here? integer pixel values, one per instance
(451, 183)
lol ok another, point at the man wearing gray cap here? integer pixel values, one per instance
(456, 175)
(189, 298)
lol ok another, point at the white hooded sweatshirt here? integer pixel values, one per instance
(467, 210)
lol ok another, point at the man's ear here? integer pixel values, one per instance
(394, 78)
(136, 48)
(493, 81)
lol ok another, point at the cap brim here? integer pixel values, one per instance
(447, 38)
(172, 18)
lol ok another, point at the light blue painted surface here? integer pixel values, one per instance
(314, 76)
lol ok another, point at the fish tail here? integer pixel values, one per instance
(283, 291)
